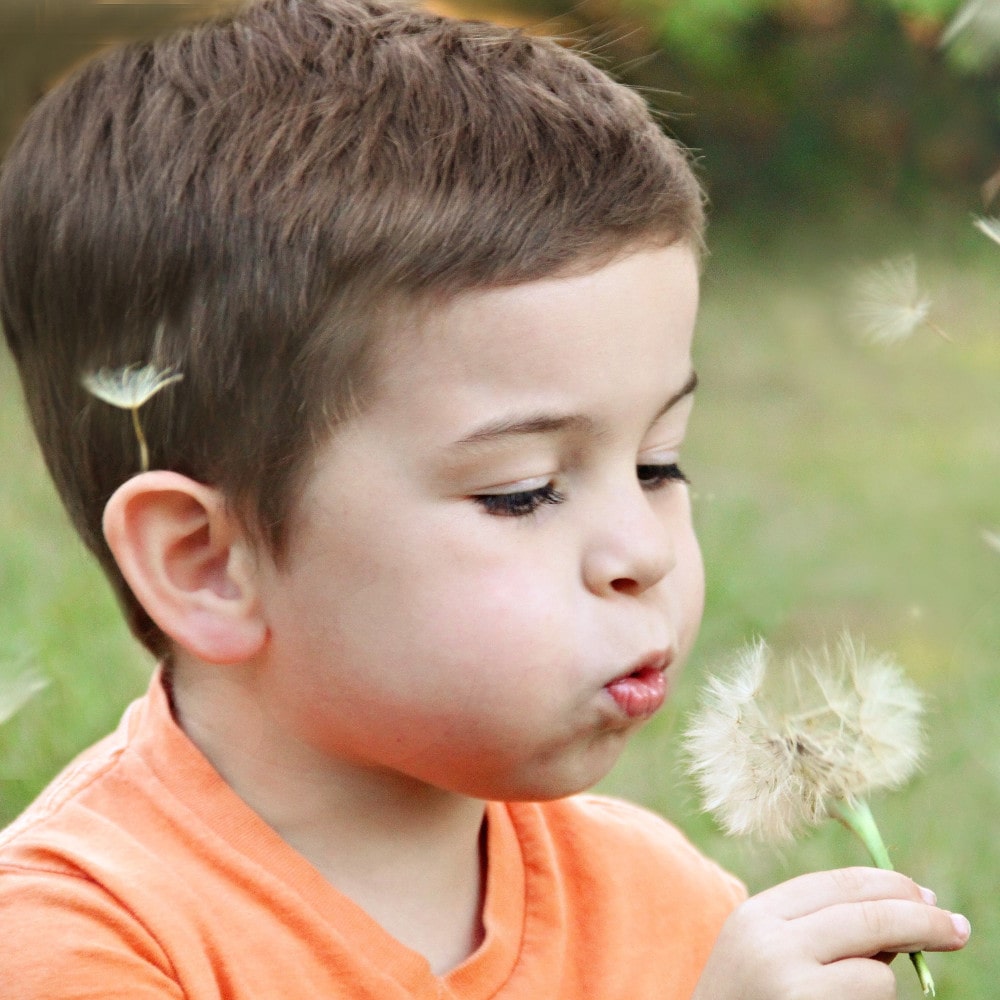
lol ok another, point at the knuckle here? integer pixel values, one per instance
(875, 918)
(850, 882)
(791, 983)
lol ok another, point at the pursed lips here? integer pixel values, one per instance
(641, 691)
(658, 661)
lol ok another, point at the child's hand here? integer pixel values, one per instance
(826, 935)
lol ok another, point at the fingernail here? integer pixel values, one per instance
(962, 926)
(929, 896)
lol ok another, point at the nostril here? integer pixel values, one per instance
(625, 585)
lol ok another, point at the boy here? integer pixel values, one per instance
(414, 547)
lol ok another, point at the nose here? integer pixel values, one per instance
(631, 546)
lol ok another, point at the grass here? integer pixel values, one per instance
(836, 485)
(839, 485)
(57, 616)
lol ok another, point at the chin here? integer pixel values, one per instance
(561, 778)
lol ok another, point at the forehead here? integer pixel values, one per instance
(637, 310)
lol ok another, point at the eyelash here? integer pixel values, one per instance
(526, 502)
(519, 504)
(653, 477)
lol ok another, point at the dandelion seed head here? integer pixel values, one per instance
(887, 301)
(130, 387)
(992, 539)
(771, 746)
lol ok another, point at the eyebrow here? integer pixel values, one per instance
(545, 423)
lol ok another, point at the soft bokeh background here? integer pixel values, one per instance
(837, 484)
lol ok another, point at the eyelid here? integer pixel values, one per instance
(518, 486)
(659, 456)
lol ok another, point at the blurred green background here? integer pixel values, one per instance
(837, 483)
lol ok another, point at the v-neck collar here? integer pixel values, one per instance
(214, 807)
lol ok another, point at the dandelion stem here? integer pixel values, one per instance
(940, 331)
(141, 438)
(858, 818)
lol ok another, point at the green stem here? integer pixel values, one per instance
(858, 818)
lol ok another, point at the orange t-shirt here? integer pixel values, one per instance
(139, 873)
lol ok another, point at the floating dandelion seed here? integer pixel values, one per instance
(889, 304)
(17, 690)
(992, 539)
(991, 227)
(976, 29)
(966, 16)
(776, 752)
(130, 388)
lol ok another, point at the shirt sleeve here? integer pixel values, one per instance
(64, 938)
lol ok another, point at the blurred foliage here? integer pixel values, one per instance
(787, 102)
(804, 100)
(40, 40)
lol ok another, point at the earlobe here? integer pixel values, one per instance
(189, 564)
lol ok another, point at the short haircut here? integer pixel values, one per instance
(252, 199)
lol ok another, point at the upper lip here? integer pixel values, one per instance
(658, 659)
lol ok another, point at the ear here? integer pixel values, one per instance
(188, 563)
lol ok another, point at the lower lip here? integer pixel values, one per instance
(640, 695)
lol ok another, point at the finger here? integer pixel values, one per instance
(853, 977)
(816, 891)
(865, 977)
(870, 927)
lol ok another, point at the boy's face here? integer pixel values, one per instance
(492, 575)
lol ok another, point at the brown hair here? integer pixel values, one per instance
(248, 200)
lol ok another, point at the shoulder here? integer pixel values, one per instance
(614, 836)
(635, 905)
(56, 912)
(103, 877)
(63, 934)
(117, 792)
(97, 839)
(48, 817)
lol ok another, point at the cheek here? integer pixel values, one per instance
(494, 608)
(691, 591)
(462, 650)
(452, 590)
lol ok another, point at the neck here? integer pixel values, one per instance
(411, 855)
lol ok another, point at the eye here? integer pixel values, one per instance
(652, 477)
(520, 503)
